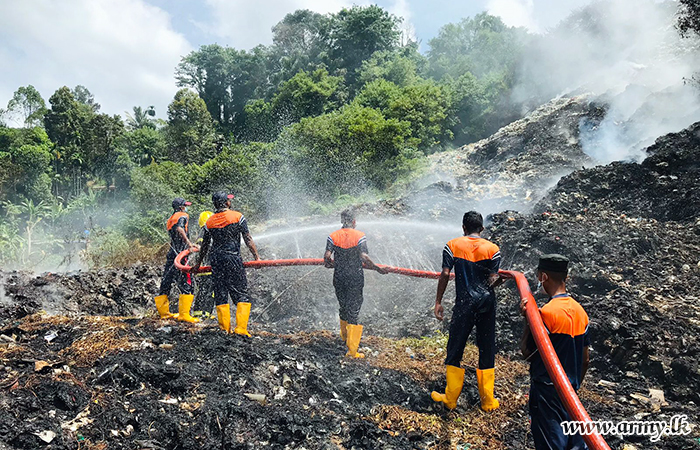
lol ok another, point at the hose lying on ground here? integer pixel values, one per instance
(556, 372)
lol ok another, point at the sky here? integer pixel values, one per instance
(125, 51)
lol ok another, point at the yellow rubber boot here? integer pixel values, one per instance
(485, 378)
(353, 341)
(223, 313)
(163, 307)
(455, 382)
(344, 330)
(242, 315)
(183, 306)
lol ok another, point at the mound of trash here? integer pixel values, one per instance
(516, 166)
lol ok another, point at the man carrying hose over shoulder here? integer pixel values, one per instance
(476, 262)
(567, 325)
(223, 235)
(349, 246)
(177, 226)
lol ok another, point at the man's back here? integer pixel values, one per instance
(347, 244)
(473, 259)
(567, 324)
(225, 228)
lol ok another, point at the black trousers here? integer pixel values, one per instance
(464, 318)
(172, 275)
(349, 294)
(229, 279)
(546, 415)
(204, 297)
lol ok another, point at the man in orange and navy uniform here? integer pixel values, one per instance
(346, 251)
(177, 226)
(223, 235)
(476, 262)
(567, 325)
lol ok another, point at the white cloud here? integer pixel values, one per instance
(245, 24)
(124, 52)
(517, 13)
(401, 8)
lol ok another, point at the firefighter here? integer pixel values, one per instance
(223, 233)
(476, 262)
(204, 297)
(567, 325)
(177, 226)
(346, 251)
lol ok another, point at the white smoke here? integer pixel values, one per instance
(629, 55)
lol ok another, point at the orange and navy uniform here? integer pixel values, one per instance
(567, 324)
(179, 219)
(224, 230)
(347, 245)
(473, 259)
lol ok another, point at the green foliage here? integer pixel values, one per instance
(401, 67)
(244, 170)
(357, 33)
(111, 248)
(142, 118)
(23, 242)
(29, 105)
(424, 105)
(190, 130)
(480, 45)
(225, 79)
(351, 149)
(25, 165)
(153, 187)
(304, 95)
(141, 147)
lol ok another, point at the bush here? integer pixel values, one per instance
(110, 248)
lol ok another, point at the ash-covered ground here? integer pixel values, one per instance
(78, 379)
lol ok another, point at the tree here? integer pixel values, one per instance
(481, 45)
(83, 96)
(29, 105)
(226, 79)
(357, 33)
(142, 118)
(349, 150)
(401, 67)
(190, 130)
(300, 42)
(100, 150)
(25, 165)
(65, 124)
(424, 105)
(143, 145)
(304, 95)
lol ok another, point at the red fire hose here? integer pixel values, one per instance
(556, 372)
(301, 262)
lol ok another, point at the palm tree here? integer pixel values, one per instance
(142, 118)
